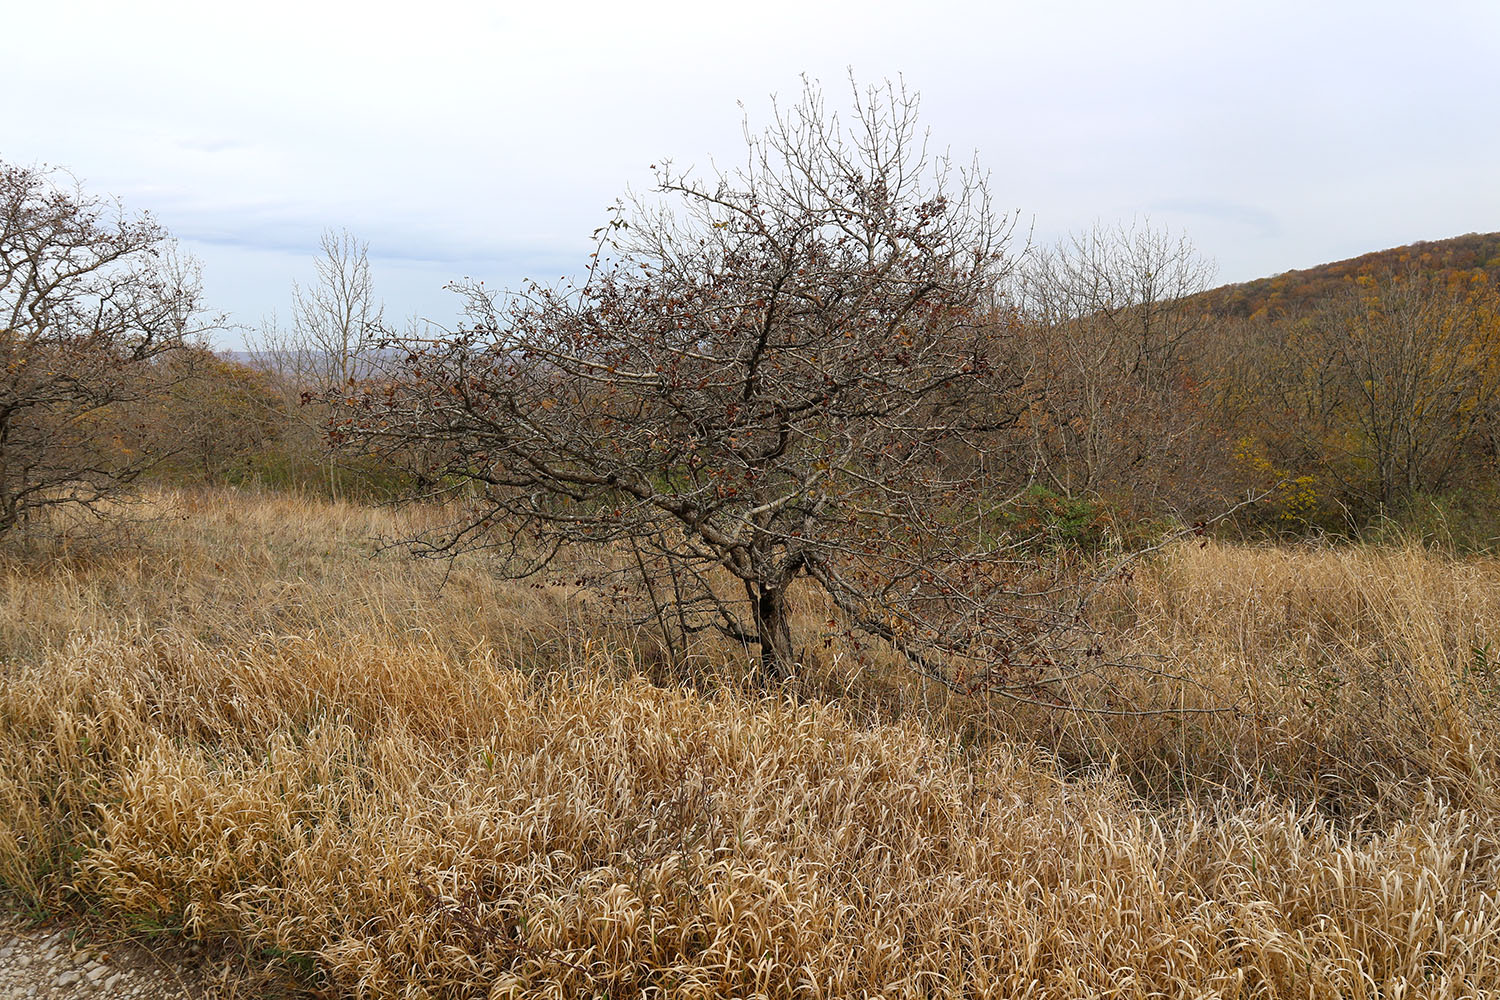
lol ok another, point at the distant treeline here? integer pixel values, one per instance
(1357, 396)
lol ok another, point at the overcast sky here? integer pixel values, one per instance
(485, 140)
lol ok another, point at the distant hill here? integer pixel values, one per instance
(1295, 291)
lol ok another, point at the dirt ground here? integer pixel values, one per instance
(57, 963)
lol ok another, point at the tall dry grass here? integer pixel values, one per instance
(1357, 678)
(243, 727)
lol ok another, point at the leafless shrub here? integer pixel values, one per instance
(91, 299)
(777, 372)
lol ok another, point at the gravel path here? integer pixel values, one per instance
(49, 964)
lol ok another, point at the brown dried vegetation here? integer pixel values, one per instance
(236, 726)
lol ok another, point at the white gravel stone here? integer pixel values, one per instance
(52, 965)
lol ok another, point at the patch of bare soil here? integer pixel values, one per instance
(57, 963)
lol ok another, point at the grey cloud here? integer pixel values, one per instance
(461, 254)
(1262, 221)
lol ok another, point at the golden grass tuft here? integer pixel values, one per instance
(245, 728)
(1358, 678)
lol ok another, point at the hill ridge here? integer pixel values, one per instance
(1290, 291)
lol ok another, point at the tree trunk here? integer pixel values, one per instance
(773, 624)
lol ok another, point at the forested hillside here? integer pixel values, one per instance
(1354, 396)
(1291, 292)
(1368, 388)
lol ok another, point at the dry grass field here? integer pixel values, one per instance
(239, 724)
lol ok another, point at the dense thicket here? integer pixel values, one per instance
(1350, 397)
(1356, 396)
(1367, 390)
(94, 307)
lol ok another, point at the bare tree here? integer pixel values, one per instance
(90, 300)
(1110, 332)
(335, 324)
(772, 373)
